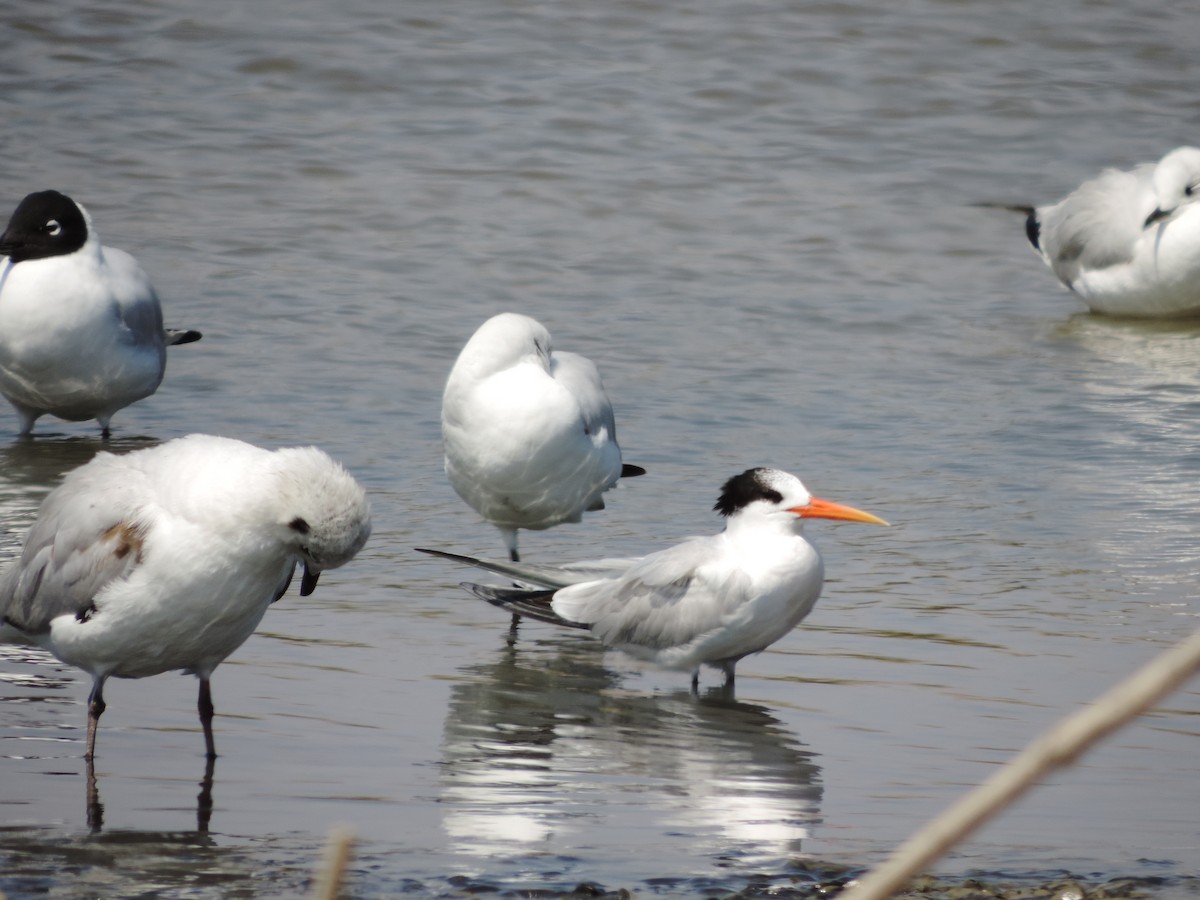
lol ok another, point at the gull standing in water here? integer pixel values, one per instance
(81, 332)
(167, 558)
(528, 431)
(1128, 242)
(706, 601)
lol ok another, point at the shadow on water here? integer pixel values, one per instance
(41, 460)
(544, 752)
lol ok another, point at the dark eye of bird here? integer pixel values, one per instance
(298, 524)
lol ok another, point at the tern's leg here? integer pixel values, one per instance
(696, 680)
(96, 707)
(205, 707)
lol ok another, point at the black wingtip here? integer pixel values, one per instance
(1033, 228)
(176, 336)
(453, 557)
(631, 471)
(529, 604)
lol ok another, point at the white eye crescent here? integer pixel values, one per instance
(53, 228)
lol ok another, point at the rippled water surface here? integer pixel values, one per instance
(757, 219)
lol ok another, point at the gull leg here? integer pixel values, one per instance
(514, 556)
(96, 707)
(205, 706)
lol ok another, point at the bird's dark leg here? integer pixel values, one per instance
(696, 680)
(96, 707)
(514, 556)
(205, 707)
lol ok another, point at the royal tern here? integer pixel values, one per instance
(81, 333)
(528, 431)
(167, 558)
(706, 601)
(1128, 242)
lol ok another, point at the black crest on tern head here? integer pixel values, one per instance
(742, 490)
(44, 224)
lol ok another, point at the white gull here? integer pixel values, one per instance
(81, 332)
(167, 558)
(528, 431)
(1128, 242)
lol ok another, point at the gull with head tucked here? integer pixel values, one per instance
(528, 431)
(706, 601)
(1127, 242)
(167, 558)
(81, 332)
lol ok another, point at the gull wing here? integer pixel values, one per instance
(579, 375)
(81, 542)
(667, 599)
(1099, 224)
(137, 303)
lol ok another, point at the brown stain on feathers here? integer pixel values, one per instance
(129, 539)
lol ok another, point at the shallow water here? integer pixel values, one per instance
(757, 221)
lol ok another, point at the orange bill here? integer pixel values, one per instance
(827, 509)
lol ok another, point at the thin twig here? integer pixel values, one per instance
(1060, 746)
(338, 851)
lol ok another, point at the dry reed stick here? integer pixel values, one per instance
(338, 851)
(1060, 746)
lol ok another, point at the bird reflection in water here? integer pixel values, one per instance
(204, 800)
(34, 685)
(543, 744)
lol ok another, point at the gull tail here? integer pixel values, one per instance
(631, 471)
(530, 604)
(177, 336)
(1033, 228)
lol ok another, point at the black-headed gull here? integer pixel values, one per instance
(706, 601)
(528, 431)
(1128, 242)
(81, 332)
(167, 558)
